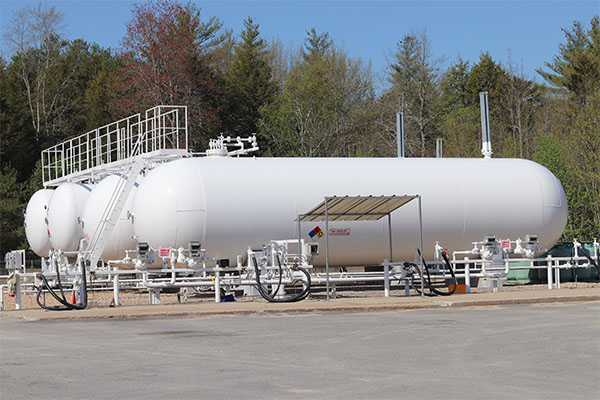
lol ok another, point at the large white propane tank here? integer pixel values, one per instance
(230, 203)
(36, 222)
(64, 213)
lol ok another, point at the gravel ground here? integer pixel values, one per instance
(140, 297)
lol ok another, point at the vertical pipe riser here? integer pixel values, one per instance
(400, 134)
(486, 139)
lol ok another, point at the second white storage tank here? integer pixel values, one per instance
(64, 215)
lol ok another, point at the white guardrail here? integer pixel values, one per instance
(229, 277)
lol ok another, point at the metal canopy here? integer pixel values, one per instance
(358, 208)
(355, 208)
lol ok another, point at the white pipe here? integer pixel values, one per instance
(486, 137)
(400, 134)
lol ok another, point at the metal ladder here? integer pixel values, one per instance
(111, 214)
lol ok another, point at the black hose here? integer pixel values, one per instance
(432, 289)
(452, 274)
(416, 285)
(590, 259)
(62, 300)
(267, 296)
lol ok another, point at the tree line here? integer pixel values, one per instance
(312, 101)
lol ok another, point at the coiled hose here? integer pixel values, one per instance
(432, 289)
(62, 299)
(265, 292)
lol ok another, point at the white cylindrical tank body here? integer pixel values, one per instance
(121, 238)
(64, 213)
(36, 223)
(229, 204)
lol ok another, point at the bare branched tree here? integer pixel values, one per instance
(517, 94)
(34, 38)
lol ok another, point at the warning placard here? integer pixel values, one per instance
(164, 253)
(339, 231)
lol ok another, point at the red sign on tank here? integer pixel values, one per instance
(339, 231)
(164, 253)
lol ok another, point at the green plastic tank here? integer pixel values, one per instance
(560, 249)
(522, 275)
(593, 271)
(582, 274)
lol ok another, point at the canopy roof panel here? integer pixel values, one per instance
(356, 208)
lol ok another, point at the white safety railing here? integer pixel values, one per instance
(163, 129)
(178, 272)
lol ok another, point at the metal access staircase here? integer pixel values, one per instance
(112, 212)
(125, 147)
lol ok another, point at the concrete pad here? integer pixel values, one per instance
(318, 306)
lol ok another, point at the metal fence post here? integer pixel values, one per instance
(116, 289)
(18, 292)
(557, 275)
(386, 278)
(218, 285)
(467, 275)
(549, 271)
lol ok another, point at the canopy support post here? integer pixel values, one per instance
(327, 243)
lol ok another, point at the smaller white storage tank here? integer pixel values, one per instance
(64, 212)
(36, 223)
(121, 238)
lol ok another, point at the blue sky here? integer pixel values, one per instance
(531, 30)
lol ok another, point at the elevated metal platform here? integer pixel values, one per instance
(161, 134)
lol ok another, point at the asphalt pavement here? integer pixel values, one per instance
(512, 351)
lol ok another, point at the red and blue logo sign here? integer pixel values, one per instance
(315, 234)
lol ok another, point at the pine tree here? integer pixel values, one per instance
(250, 81)
(414, 84)
(316, 45)
(577, 67)
(576, 75)
(323, 108)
